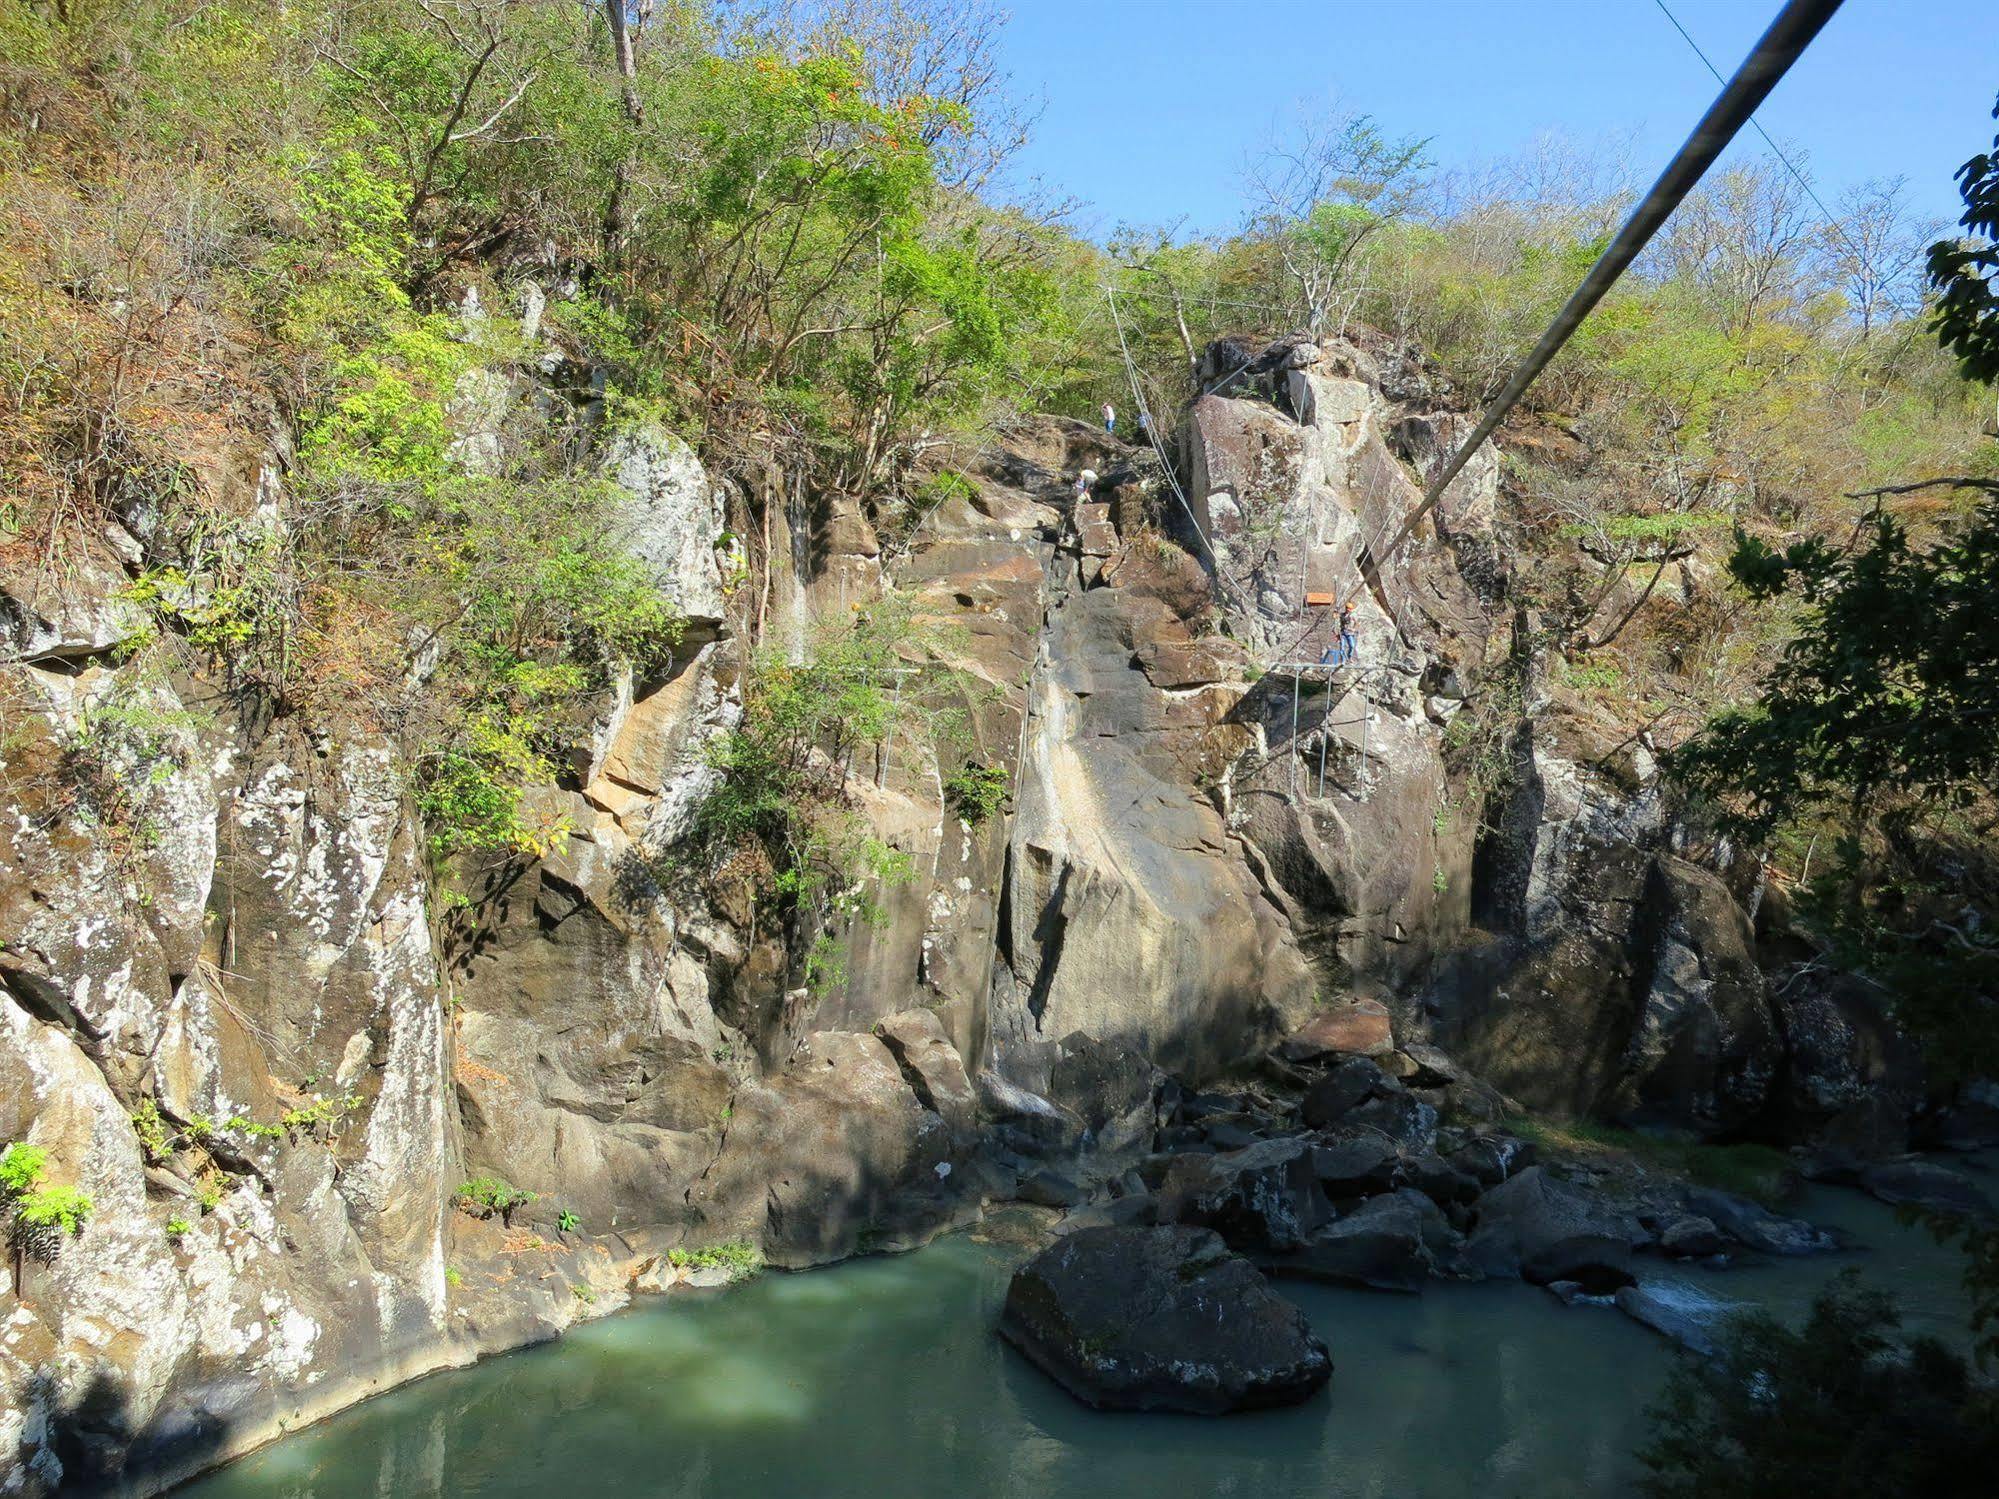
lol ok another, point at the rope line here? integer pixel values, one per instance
(1776, 150)
(1778, 48)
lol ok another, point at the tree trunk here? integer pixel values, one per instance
(616, 211)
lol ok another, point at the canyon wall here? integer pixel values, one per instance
(270, 1035)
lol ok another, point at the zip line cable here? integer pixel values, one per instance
(1776, 150)
(1778, 48)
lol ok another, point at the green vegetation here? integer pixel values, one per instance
(44, 1213)
(778, 815)
(789, 265)
(318, 1117)
(483, 1196)
(1593, 676)
(1835, 1408)
(1758, 1171)
(1874, 727)
(977, 792)
(178, 1228)
(58, 1208)
(567, 1222)
(155, 1138)
(21, 1168)
(742, 1260)
(453, 1277)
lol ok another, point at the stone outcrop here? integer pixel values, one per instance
(1545, 1229)
(833, 1155)
(1161, 1319)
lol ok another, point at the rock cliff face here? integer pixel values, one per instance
(260, 1043)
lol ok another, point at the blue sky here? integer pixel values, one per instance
(1152, 105)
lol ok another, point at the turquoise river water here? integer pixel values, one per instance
(882, 1378)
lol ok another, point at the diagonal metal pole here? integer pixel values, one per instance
(1768, 61)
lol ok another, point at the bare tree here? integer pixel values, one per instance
(1876, 257)
(1320, 195)
(1748, 239)
(943, 50)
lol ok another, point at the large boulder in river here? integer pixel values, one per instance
(1544, 1229)
(1161, 1319)
(1926, 1185)
(1755, 1226)
(1686, 1314)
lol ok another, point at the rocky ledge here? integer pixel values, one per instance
(1383, 1170)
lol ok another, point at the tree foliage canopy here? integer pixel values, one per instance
(1832, 1409)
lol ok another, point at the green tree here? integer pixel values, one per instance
(1879, 719)
(1832, 1409)
(1962, 271)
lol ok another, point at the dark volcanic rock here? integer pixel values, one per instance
(1331, 1098)
(1706, 1048)
(1355, 1165)
(1229, 1135)
(1852, 1077)
(1493, 1158)
(1402, 1117)
(1754, 1225)
(1439, 1180)
(1692, 1238)
(1265, 1196)
(1111, 1088)
(1925, 1184)
(1545, 1229)
(1161, 1319)
(1048, 1189)
(1393, 1242)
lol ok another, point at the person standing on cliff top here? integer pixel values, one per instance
(1110, 418)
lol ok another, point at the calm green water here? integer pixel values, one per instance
(882, 1378)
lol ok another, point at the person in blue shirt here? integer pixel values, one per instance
(1342, 650)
